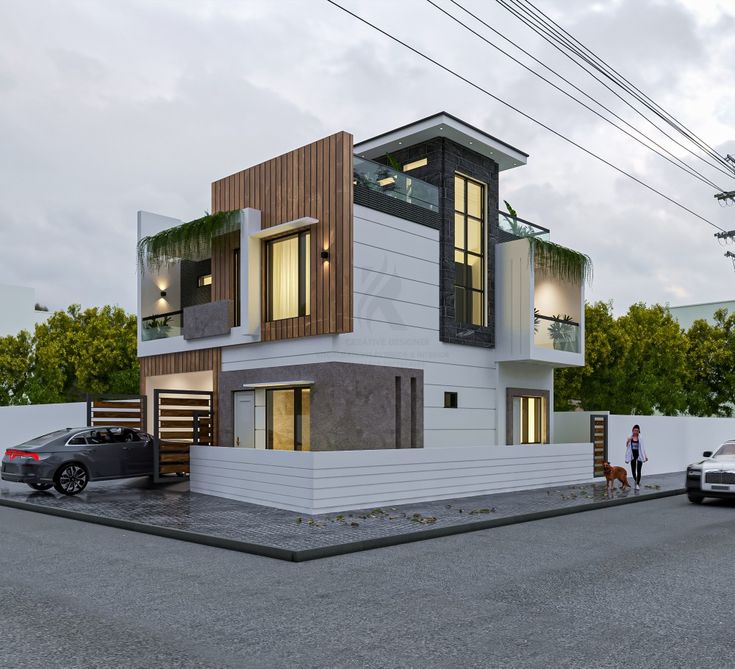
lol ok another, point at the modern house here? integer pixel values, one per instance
(367, 297)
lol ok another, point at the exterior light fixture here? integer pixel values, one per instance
(163, 293)
(324, 254)
(387, 181)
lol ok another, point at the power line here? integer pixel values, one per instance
(551, 35)
(522, 113)
(683, 166)
(682, 128)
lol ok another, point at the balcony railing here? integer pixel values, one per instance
(520, 228)
(555, 332)
(161, 326)
(383, 179)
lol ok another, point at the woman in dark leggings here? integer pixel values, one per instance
(636, 455)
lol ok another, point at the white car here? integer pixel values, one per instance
(714, 476)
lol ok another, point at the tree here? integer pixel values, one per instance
(636, 364)
(710, 382)
(15, 364)
(73, 353)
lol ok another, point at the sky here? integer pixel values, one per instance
(110, 108)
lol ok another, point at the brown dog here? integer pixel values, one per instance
(613, 473)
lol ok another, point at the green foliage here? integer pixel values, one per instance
(393, 163)
(563, 333)
(192, 241)
(644, 363)
(561, 262)
(73, 353)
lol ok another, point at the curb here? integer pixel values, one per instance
(335, 549)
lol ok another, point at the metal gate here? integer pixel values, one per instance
(180, 418)
(598, 437)
(121, 410)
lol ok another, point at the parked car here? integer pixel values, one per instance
(714, 476)
(68, 459)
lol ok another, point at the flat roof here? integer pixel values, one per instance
(443, 124)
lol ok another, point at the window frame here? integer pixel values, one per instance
(304, 257)
(298, 417)
(466, 288)
(545, 421)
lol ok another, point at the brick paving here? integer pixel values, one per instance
(174, 508)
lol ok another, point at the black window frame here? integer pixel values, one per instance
(304, 256)
(298, 418)
(463, 289)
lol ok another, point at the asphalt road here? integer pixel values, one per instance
(644, 585)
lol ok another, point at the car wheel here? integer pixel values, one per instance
(41, 486)
(71, 479)
(695, 499)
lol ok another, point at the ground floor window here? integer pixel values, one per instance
(527, 416)
(288, 416)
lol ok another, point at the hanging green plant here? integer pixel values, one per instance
(191, 241)
(561, 262)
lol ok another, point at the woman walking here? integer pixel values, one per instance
(635, 453)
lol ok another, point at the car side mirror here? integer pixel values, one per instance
(707, 454)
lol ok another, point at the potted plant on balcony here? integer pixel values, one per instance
(158, 327)
(563, 333)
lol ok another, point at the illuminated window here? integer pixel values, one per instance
(469, 250)
(288, 416)
(528, 416)
(288, 277)
(415, 164)
(204, 280)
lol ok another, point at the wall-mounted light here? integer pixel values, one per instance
(163, 293)
(324, 255)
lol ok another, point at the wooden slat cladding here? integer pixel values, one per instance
(204, 360)
(314, 180)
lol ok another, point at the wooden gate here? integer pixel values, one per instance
(121, 410)
(180, 418)
(598, 437)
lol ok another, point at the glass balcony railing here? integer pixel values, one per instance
(161, 326)
(383, 179)
(520, 228)
(555, 332)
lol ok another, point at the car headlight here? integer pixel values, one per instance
(694, 473)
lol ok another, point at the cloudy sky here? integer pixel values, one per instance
(111, 107)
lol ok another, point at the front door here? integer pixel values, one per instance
(245, 419)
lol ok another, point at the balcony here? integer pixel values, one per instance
(539, 316)
(382, 188)
(162, 326)
(512, 227)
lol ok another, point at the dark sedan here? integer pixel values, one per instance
(68, 459)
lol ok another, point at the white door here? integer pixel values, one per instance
(245, 419)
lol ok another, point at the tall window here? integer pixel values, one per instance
(469, 250)
(288, 276)
(288, 417)
(527, 416)
(236, 285)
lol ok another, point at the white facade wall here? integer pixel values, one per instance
(396, 323)
(17, 310)
(21, 423)
(337, 481)
(671, 442)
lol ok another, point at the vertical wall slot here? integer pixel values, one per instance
(398, 411)
(413, 412)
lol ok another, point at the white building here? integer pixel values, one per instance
(686, 314)
(18, 310)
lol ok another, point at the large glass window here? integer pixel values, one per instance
(469, 250)
(288, 276)
(288, 416)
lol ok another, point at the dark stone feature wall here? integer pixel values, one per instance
(208, 320)
(191, 292)
(446, 157)
(353, 407)
(395, 207)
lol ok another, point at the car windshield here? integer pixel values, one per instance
(43, 439)
(726, 449)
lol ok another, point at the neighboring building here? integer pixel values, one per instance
(354, 306)
(18, 310)
(686, 314)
